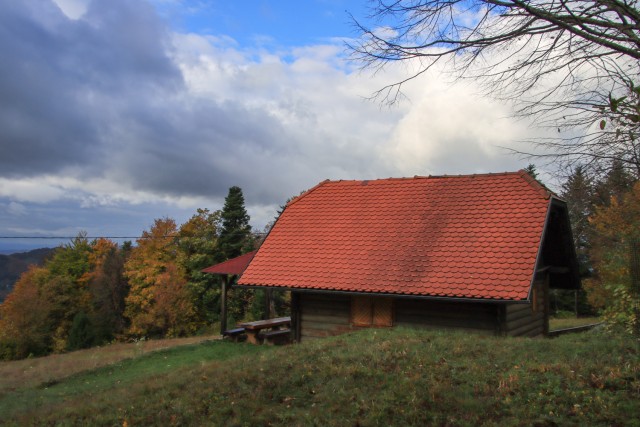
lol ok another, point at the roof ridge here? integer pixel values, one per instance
(307, 192)
(398, 178)
(468, 175)
(536, 185)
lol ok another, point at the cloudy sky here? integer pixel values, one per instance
(116, 112)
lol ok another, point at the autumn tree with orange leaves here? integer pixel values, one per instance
(25, 327)
(38, 315)
(158, 303)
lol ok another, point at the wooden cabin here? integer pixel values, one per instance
(473, 252)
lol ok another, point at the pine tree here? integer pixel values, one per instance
(531, 170)
(235, 239)
(235, 235)
(615, 184)
(578, 193)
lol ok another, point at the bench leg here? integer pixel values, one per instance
(252, 337)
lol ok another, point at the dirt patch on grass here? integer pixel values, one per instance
(26, 373)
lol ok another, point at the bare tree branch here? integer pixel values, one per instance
(571, 64)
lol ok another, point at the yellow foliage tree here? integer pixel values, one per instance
(616, 256)
(156, 282)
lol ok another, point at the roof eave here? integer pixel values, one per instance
(536, 265)
(555, 201)
(387, 294)
(575, 268)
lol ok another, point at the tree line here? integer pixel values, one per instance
(605, 219)
(93, 292)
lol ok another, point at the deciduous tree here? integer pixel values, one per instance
(173, 312)
(197, 246)
(157, 284)
(108, 288)
(67, 288)
(617, 257)
(25, 326)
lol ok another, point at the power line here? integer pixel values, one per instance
(74, 237)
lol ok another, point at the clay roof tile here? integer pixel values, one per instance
(467, 236)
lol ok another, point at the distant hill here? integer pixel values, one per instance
(12, 266)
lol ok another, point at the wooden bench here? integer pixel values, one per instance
(276, 337)
(254, 330)
(234, 334)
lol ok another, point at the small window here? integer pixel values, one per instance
(371, 311)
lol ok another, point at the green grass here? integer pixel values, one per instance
(31, 372)
(571, 322)
(373, 377)
(119, 377)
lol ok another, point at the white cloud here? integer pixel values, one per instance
(74, 9)
(451, 130)
(30, 190)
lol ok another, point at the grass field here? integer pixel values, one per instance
(373, 377)
(572, 322)
(41, 370)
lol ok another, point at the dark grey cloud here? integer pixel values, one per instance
(203, 149)
(61, 77)
(100, 96)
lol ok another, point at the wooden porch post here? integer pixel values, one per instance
(295, 316)
(223, 304)
(547, 310)
(267, 303)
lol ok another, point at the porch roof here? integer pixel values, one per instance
(234, 266)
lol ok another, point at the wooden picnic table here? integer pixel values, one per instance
(252, 329)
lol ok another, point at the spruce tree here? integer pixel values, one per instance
(617, 182)
(578, 193)
(234, 240)
(235, 235)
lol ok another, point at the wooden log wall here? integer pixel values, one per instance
(432, 314)
(529, 320)
(323, 315)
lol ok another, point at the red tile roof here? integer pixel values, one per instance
(473, 236)
(231, 266)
